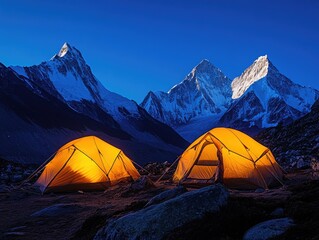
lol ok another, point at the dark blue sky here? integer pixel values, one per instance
(137, 46)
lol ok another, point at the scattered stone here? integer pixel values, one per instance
(156, 221)
(57, 210)
(142, 183)
(16, 228)
(166, 195)
(12, 172)
(301, 163)
(4, 189)
(268, 229)
(4, 176)
(259, 190)
(17, 178)
(14, 233)
(278, 212)
(314, 164)
(9, 168)
(155, 168)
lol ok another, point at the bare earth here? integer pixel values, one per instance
(79, 215)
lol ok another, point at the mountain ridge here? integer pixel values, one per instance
(67, 79)
(203, 91)
(260, 97)
(277, 97)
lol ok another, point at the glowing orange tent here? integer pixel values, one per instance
(228, 156)
(86, 163)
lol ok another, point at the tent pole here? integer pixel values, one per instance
(140, 167)
(275, 170)
(60, 170)
(262, 177)
(168, 169)
(42, 166)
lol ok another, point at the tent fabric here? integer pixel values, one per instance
(86, 163)
(229, 156)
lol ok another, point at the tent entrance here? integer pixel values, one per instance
(205, 166)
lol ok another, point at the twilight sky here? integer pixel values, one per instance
(134, 46)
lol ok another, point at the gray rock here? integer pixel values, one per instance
(4, 176)
(4, 189)
(301, 163)
(9, 168)
(57, 210)
(268, 229)
(17, 178)
(156, 221)
(166, 195)
(278, 212)
(259, 190)
(142, 183)
(14, 234)
(314, 164)
(17, 228)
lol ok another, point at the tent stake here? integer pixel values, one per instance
(168, 169)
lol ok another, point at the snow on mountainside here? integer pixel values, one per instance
(204, 92)
(34, 124)
(68, 79)
(250, 75)
(263, 97)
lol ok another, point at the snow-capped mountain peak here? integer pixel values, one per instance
(261, 96)
(68, 52)
(258, 70)
(264, 97)
(203, 66)
(59, 99)
(205, 91)
(65, 48)
(203, 76)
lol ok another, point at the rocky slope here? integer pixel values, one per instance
(297, 144)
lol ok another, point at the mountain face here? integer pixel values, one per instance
(204, 92)
(68, 77)
(263, 97)
(44, 106)
(34, 124)
(297, 144)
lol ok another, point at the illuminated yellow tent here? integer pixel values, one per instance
(228, 156)
(86, 163)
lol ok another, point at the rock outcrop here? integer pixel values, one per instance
(156, 221)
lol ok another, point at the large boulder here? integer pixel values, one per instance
(268, 229)
(156, 221)
(58, 210)
(166, 195)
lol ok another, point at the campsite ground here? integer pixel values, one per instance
(80, 215)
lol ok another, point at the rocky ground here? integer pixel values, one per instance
(297, 144)
(26, 214)
(13, 173)
(298, 200)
